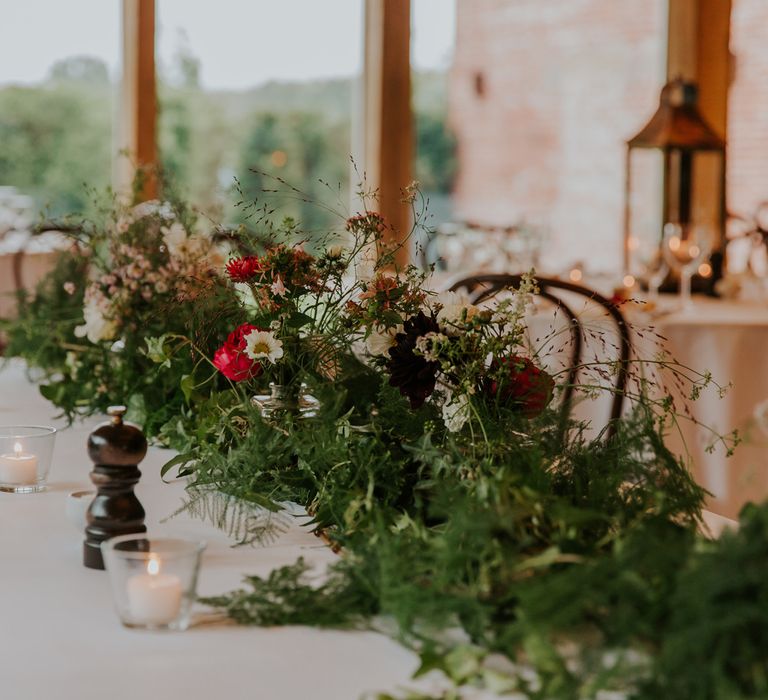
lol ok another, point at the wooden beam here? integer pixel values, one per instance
(699, 32)
(698, 50)
(138, 100)
(387, 116)
(713, 61)
(681, 39)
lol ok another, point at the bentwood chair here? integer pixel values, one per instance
(483, 287)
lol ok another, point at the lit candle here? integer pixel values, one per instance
(18, 467)
(154, 598)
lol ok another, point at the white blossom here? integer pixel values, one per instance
(380, 341)
(456, 412)
(455, 308)
(426, 345)
(97, 326)
(175, 238)
(262, 345)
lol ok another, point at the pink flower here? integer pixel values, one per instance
(232, 361)
(278, 288)
(69, 288)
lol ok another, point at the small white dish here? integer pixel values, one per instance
(77, 506)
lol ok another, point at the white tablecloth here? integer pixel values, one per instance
(729, 339)
(60, 638)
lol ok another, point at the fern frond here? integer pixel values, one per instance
(244, 522)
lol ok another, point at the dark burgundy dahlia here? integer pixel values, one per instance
(413, 374)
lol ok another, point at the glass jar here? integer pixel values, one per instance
(286, 400)
(25, 457)
(154, 580)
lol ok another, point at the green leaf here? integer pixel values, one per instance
(178, 459)
(187, 385)
(551, 555)
(298, 319)
(137, 409)
(156, 350)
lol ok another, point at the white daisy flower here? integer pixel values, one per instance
(262, 345)
(380, 341)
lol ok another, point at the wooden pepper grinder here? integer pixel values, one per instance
(116, 448)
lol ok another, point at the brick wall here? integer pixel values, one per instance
(748, 107)
(543, 95)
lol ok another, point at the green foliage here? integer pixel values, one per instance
(715, 638)
(86, 70)
(297, 147)
(57, 136)
(435, 152)
(142, 310)
(55, 139)
(287, 597)
(523, 545)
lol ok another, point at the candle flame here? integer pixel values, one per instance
(153, 565)
(575, 275)
(17, 449)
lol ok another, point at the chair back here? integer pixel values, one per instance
(483, 287)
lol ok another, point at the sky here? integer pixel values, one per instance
(240, 43)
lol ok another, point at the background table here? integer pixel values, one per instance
(60, 638)
(729, 339)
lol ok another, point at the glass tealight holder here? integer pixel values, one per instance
(25, 457)
(154, 580)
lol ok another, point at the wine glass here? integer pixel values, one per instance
(650, 263)
(685, 248)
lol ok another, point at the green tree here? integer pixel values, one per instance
(80, 69)
(55, 139)
(435, 152)
(305, 151)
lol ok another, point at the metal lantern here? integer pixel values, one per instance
(678, 142)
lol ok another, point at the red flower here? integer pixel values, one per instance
(230, 359)
(525, 386)
(244, 269)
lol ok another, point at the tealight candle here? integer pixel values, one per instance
(154, 598)
(18, 467)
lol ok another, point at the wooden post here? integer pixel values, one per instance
(698, 50)
(137, 114)
(387, 117)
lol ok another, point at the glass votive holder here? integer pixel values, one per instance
(25, 457)
(154, 580)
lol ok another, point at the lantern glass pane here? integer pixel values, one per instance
(646, 198)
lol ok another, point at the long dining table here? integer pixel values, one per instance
(60, 637)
